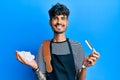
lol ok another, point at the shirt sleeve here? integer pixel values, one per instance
(78, 54)
(81, 57)
(40, 61)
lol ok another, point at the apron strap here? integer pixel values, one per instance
(47, 55)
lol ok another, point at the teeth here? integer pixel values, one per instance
(59, 26)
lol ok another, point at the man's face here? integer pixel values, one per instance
(59, 23)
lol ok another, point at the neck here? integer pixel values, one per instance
(59, 37)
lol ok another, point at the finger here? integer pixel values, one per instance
(93, 58)
(21, 60)
(91, 62)
(18, 56)
(95, 54)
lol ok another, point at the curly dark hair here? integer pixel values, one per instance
(58, 9)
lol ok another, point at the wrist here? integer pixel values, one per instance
(83, 66)
(34, 66)
(35, 69)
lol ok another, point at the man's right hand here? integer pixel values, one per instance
(31, 63)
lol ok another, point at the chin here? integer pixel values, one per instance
(59, 32)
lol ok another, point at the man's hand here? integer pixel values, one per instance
(31, 63)
(91, 59)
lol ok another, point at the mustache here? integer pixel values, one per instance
(59, 24)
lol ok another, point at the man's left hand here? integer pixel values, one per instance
(91, 59)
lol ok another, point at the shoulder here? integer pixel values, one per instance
(74, 42)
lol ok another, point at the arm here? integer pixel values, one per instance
(40, 75)
(82, 74)
(32, 64)
(87, 62)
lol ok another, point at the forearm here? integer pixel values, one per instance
(82, 74)
(40, 75)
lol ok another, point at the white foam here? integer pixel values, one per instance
(26, 55)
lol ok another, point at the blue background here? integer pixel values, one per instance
(24, 25)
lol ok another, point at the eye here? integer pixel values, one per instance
(63, 18)
(55, 18)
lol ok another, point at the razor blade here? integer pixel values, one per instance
(90, 45)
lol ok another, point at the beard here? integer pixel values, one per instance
(57, 31)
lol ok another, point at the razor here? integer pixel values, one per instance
(90, 45)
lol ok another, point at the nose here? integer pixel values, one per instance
(59, 21)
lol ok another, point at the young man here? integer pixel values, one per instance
(67, 56)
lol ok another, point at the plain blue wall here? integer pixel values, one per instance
(24, 25)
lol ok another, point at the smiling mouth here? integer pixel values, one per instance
(59, 26)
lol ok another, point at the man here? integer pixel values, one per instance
(68, 58)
